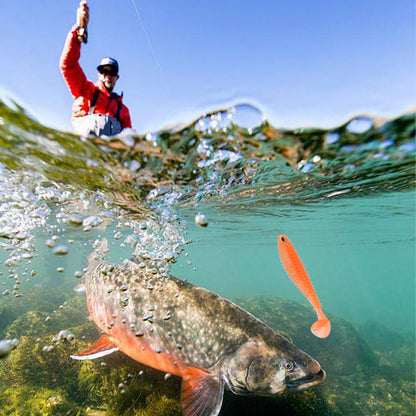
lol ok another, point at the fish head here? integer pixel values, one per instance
(257, 369)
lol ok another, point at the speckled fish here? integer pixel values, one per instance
(178, 328)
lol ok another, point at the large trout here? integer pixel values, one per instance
(176, 327)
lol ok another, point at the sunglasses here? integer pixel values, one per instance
(110, 72)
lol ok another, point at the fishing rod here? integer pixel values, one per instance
(149, 43)
(82, 21)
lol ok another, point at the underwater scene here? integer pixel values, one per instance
(165, 247)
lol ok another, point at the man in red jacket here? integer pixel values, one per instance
(97, 110)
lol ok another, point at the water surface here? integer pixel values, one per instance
(345, 197)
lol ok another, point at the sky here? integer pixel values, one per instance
(303, 63)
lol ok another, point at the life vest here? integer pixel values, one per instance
(97, 125)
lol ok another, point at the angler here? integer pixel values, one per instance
(97, 110)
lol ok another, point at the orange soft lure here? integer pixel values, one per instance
(294, 268)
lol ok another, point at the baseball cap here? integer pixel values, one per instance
(108, 61)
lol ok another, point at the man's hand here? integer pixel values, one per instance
(83, 16)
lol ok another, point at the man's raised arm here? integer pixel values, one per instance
(69, 63)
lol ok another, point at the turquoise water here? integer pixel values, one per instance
(345, 197)
(359, 253)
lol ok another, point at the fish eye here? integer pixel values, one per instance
(283, 239)
(289, 366)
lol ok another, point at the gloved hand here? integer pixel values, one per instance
(83, 16)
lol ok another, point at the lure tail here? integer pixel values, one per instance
(299, 276)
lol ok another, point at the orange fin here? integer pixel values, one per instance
(202, 393)
(102, 347)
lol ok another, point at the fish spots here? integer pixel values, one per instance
(173, 325)
(147, 317)
(107, 270)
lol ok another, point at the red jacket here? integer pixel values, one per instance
(82, 90)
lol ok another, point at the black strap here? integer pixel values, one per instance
(94, 100)
(119, 105)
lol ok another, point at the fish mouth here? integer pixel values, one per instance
(305, 382)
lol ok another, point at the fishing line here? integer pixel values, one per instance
(146, 35)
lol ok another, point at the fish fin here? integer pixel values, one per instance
(202, 393)
(102, 347)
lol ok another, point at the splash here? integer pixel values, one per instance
(53, 183)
